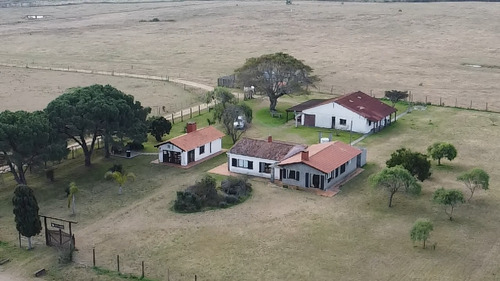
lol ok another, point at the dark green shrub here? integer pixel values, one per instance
(187, 202)
(231, 199)
(135, 145)
(49, 174)
(116, 168)
(236, 186)
(206, 190)
(223, 205)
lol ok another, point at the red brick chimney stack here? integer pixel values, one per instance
(304, 156)
(270, 139)
(191, 127)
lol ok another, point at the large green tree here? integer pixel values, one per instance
(83, 114)
(395, 179)
(421, 231)
(26, 140)
(275, 75)
(448, 198)
(439, 150)
(394, 96)
(416, 163)
(473, 179)
(159, 126)
(26, 212)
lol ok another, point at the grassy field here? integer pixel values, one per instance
(279, 234)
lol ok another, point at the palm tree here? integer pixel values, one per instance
(73, 189)
(119, 178)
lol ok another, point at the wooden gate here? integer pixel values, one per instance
(60, 238)
(56, 236)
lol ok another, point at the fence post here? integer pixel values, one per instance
(173, 119)
(142, 275)
(190, 112)
(486, 106)
(118, 262)
(182, 116)
(93, 256)
(425, 99)
(470, 107)
(456, 103)
(440, 103)
(195, 277)
(199, 109)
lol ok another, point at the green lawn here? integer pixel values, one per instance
(277, 234)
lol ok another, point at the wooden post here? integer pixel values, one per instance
(456, 102)
(486, 106)
(173, 119)
(190, 112)
(470, 107)
(46, 231)
(182, 116)
(93, 256)
(168, 274)
(440, 104)
(425, 99)
(118, 262)
(199, 110)
(20, 246)
(195, 277)
(142, 275)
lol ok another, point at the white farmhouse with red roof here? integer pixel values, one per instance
(357, 111)
(322, 165)
(193, 146)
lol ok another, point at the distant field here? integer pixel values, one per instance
(354, 46)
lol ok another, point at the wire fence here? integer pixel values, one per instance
(130, 268)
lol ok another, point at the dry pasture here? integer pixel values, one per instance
(351, 46)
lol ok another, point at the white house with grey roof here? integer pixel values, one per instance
(260, 157)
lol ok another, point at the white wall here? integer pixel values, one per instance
(325, 112)
(216, 147)
(163, 147)
(256, 166)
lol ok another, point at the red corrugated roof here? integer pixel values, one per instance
(325, 157)
(195, 139)
(369, 107)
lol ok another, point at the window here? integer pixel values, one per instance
(342, 169)
(294, 175)
(343, 122)
(264, 168)
(331, 176)
(240, 163)
(369, 123)
(202, 149)
(337, 172)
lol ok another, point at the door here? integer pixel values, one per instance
(309, 120)
(191, 156)
(307, 179)
(315, 181)
(165, 156)
(333, 122)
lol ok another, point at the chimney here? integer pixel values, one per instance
(304, 156)
(191, 127)
(270, 139)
